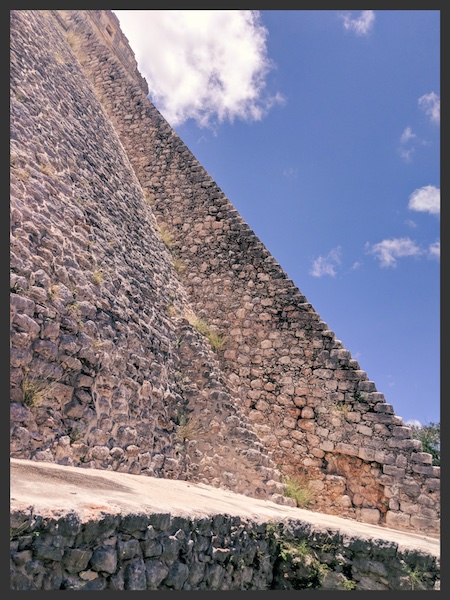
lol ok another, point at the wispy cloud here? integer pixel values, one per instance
(434, 250)
(411, 223)
(407, 136)
(388, 251)
(426, 199)
(326, 265)
(291, 172)
(360, 25)
(207, 65)
(390, 381)
(431, 105)
(407, 146)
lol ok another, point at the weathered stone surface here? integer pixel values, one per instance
(98, 309)
(76, 559)
(104, 559)
(135, 575)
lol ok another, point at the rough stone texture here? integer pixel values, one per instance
(101, 375)
(119, 237)
(216, 553)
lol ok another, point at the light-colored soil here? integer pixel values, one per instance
(54, 490)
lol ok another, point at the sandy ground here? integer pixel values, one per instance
(54, 490)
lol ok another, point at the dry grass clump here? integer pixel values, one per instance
(35, 390)
(216, 340)
(298, 488)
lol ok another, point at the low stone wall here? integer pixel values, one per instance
(163, 552)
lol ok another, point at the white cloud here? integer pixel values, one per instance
(431, 104)
(407, 136)
(434, 250)
(426, 199)
(360, 25)
(356, 265)
(207, 65)
(407, 144)
(406, 154)
(388, 251)
(326, 265)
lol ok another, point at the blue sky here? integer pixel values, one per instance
(322, 127)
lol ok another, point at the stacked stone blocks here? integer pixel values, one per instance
(314, 411)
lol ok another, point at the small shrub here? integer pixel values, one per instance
(179, 266)
(187, 429)
(291, 549)
(359, 396)
(215, 339)
(415, 577)
(171, 310)
(342, 408)
(46, 169)
(349, 585)
(299, 489)
(97, 277)
(166, 237)
(36, 390)
(149, 199)
(73, 307)
(53, 292)
(22, 175)
(72, 39)
(430, 436)
(297, 552)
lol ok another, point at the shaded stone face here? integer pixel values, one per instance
(151, 331)
(234, 554)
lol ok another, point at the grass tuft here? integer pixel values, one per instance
(298, 488)
(36, 390)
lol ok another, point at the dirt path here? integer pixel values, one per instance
(54, 490)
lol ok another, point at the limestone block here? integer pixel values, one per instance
(364, 430)
(398, 520)
(401, 432)
(384, 408)
(327, 446)
(348, 449)
(422, 457)
(367, 454)
(422, 469)
(306, 425)
(405, 444)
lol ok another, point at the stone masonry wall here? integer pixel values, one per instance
(165, 552)
(102, 374)
(108, 368)
(310, 402)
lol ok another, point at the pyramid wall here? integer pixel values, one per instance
(97, 167)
